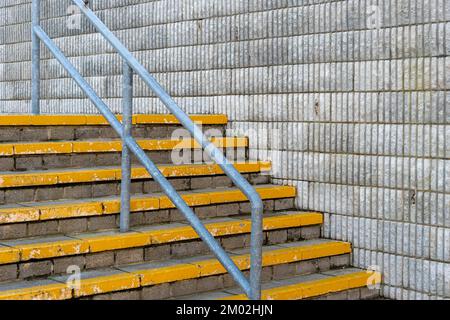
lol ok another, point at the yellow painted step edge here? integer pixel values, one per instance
(56, 291)
(64, 147)
(80, 119)
(183, 271)
(14, 180)
(317, 288)
(101, 243)
(28, 212)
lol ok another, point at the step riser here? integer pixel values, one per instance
(166, 292)
(57, 133)
(110, 221)
(204, 284)
(92, 159)
(174, 250)
(109, 188)
(352, 294)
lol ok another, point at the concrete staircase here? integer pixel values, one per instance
(60, 203)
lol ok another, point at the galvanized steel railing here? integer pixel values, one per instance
(252, 287)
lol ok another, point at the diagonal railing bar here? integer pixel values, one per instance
(251, 287)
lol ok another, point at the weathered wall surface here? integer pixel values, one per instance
(348, 97)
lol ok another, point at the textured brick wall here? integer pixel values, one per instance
(348, 98)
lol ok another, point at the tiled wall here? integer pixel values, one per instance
(349, 98)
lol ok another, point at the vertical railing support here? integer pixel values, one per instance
(35, 58)
(256, 243)
(127, 123)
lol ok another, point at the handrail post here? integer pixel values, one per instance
(35, 58)
(256, 242)
(127, 117)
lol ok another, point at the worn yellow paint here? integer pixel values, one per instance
(13, 179)
(320, 287)
(221, 142)
(9, 255)
(193, 170)
(156, 119)
(112, 206)
(136, 173)
(42, 148)
(62, 120)
(265, 166)
(57, 291)
(182, 272)
(326, 249)
(15, 120)
(86, 175)
(277, 256)
(52, 249)
(177, 272)
(230, 142)
(104, 284)
(18, 214)
(168, 274)
(228, 196)
(214, 267)
(170, 119)
(193, 199)
(144, 204)
(160, 145)
(188, 233)
(316, 288)
(101, 242)
(265, 193)
(117, 241)
(243, 261)
(26, 179)
(97, 146)
(136, 204)
(110, 146)
(79, 119)
(100, 120)
(70, 210)
(209, 267)
(286, 221)
(6, 149)
(172, 235)
(314, 251)
(229, 227)
(277, 193)
(190, 170)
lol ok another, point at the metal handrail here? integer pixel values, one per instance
(251, 287)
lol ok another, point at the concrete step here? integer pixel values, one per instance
(20, 156)
(28, 128)
(43, 185)
(44, 256)
(175, 278)
(40, 218)
(336, 284)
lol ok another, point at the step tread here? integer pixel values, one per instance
(11, 179)
(146, 274)
(83, 119)
(48, 210)
(111, 145)
(44, 247)
(297, 287)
